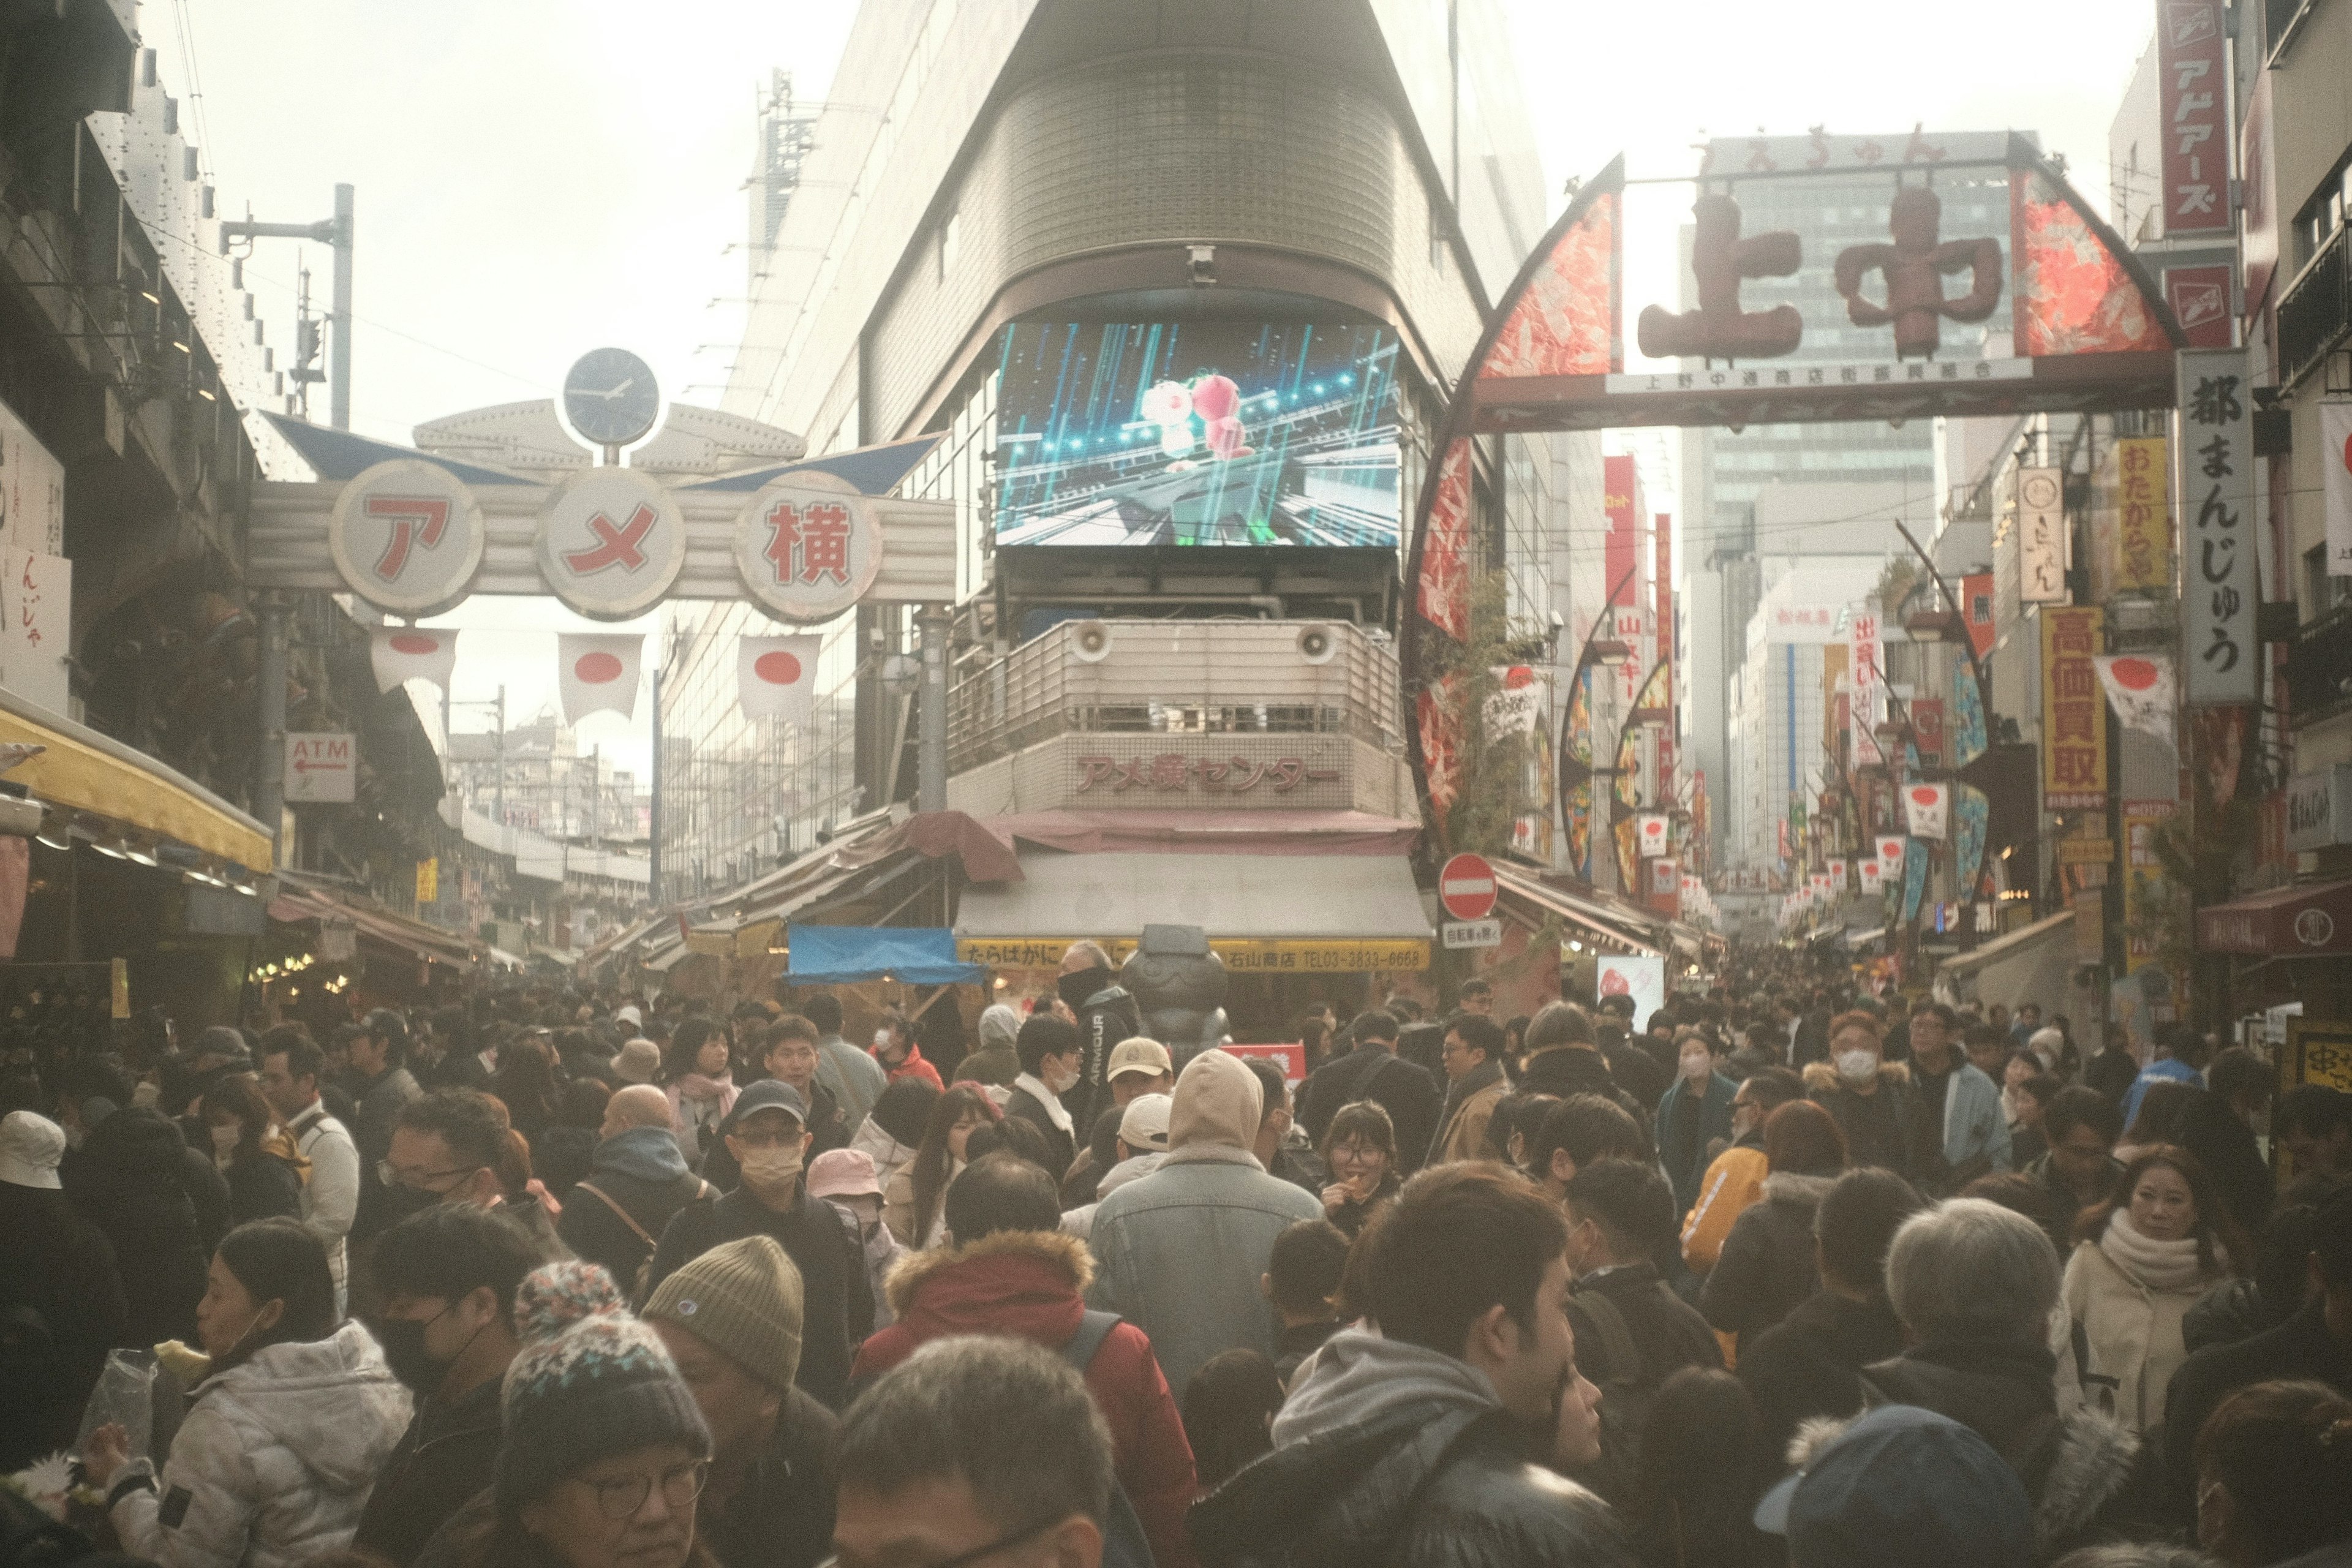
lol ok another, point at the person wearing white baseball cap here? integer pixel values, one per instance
(60, 1270)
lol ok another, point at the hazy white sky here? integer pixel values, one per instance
(539, 177)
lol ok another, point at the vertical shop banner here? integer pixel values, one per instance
(1972, 814)
(1577, 813)
(2074, 716)
(1927, 724)
(2040, 536)
(1867, 680)
(1869, 876)
(2223, 589)
(1926, 810)
(1915, 880)
(1620, 555)
(2194, 87)
(2143, 514)
(2145, 893)
(1976, 589)
(2335, 484)
(1967, 726)
(1519, 737)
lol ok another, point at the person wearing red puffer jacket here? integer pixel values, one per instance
(1011, 1271)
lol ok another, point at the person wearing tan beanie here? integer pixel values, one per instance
(731, 1321)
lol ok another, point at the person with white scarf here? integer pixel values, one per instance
(2141, 1261)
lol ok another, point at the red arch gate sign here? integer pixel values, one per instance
(2092, 333)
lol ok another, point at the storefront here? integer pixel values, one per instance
(333, 953)
(2034, 963)
(2290, 944)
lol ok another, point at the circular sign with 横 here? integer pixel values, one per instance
(611, 542)
(406, 536)
(808, 547)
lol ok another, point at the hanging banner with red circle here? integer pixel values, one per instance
(1927, 808)
(598, 672)
(775, 678)
(399, 654)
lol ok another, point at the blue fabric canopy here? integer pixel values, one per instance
(920, 955)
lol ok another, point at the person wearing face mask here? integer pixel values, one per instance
(1052, 1057)
(450, 1148)
(287, 1429)
(1106, 1014)
(767, 1133)
(901, 1057)
(1694, 1118)
(1873, 1101)
(255, 1156)
(448, 1276)
(846, 1179)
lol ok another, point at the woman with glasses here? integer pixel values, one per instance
(1359, 1147)
(606, 1452)
(291, 1419)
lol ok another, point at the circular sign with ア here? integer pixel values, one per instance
(611, 542)
(406, 536)
(808, 547)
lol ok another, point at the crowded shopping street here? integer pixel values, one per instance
(1285, 784)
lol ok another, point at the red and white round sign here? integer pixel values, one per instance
(406, 536)
(611, 542)
(808, 547)
(2134, 674)
(1466, 885)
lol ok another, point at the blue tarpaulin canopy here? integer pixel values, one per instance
(920, 955)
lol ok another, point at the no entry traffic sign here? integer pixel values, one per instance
(1466, 885)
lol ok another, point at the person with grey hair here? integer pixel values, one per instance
(973, 1446)
(1974, 1285)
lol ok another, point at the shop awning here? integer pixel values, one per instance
(2311, 920)
(1332, 914)
(100, 774)
(1144, 831)
(295, 903)
(841, 955)
(1584, 922)
(1858, 939)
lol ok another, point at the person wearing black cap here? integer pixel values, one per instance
(767, 1133)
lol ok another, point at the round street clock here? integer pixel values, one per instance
(610, 396)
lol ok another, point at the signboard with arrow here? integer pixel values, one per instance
(322, 768)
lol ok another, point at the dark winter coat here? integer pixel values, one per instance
(781, 1515)
(1683, 1141)
(263, 1186)
(1765, 1269)
(836, 1301)
(1402, 1089)
(643, 1172)
(61, 1309)
(2079, 1468)
(2213, 1133)
(138, 1181)
(1406, 1490)
(1564, 1070)
(1063, 1146)
(443, 1460)
(1810, 1364)
(1031, 1285)
(1106, 1014)
(1888, 1128)
(2299, 1348)
(1667, 1334)
(1637, 1072)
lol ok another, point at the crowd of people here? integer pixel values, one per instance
(1784, 1273)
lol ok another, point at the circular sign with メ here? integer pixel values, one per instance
(807, 547)
(611, 542)
(406, 536)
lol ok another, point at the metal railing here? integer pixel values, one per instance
(2315, 312)
(1179, 678)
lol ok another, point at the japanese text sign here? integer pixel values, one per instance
(2073, 712)
(807, 553)
(2040, 537)
(2192, 81)
(2143, 514)
(2222, 587)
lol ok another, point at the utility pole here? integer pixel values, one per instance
(268, 792)
(931, 749)
(335, 231)
(502, 756)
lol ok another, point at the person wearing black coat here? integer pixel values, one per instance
(1373, 1072)
(61, 1302)
(159, 1202)
(1765, 1269)
(2218, 1127)
(1563, 1068)
(638, 1181)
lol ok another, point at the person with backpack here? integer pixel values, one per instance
(1013, 1271)
(637, 1180)
(1634, 1331)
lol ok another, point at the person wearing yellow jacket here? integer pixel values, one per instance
(1736, 1177)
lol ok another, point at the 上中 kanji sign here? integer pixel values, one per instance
(611, 542)
(2222, 591)
(807, 552)
(2073, 712)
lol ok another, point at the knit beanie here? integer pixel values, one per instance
(590, 1382)
(743, 1299)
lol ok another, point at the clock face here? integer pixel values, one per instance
(610, 396)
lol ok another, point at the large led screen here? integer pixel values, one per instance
(1197, 433)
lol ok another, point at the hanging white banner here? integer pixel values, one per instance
(2218, 521)
(776, 677)
(1890, 856)
(2139, 687)
(1869, 877)
(411, 652)
(1928, 808)
(598, 672)
(2335, 465)
(1837, 875)
(1650, 833)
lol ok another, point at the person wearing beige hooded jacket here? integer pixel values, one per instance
(1181, 1249)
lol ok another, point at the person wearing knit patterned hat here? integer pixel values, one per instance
(606, 1451)
(731, 1321)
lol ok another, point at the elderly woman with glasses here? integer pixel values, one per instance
(606, 1451)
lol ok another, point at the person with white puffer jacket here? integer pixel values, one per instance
(292, 1418)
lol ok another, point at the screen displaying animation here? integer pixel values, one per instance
(1197, 433)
